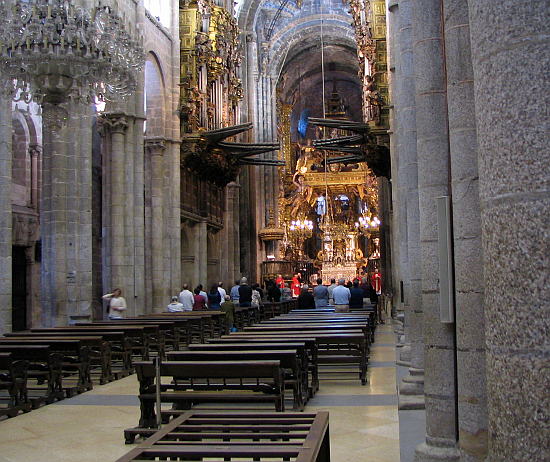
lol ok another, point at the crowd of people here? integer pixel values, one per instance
(343, 295)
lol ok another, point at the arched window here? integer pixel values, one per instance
(21, 168)
(154, 98)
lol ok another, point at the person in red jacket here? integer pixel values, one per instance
(295, 286)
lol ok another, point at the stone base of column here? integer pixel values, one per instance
(404, 355)
(437, 451)
(411, 390)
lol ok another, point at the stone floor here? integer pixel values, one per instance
(364, 421)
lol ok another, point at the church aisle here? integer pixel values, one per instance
(89, 427)
(364, 424)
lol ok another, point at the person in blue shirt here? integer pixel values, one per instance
(341, 295)
(214, 298)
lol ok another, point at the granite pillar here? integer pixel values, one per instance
(117, 124)
(201, 230)
(411, 388)
(155, 150)
(468, 261)
(433, 182)
(510, 57)
(5, 216)
(141, 301)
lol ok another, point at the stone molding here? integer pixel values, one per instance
(35, 150)
(113, 122)
(155, 145)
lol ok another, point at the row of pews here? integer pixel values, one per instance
(44, 365)
(266, 363)
(188, 361)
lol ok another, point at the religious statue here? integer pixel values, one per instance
(321, 204)
(301, 196)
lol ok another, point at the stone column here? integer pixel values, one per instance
(412, 384)
(141, 295)
(468, 261)
(174, 227)
(34, 151)
(236, 234)
(433, 182)
(155, 150)
(5, 216)
(201, 231)
(510, 61)
(117, 124)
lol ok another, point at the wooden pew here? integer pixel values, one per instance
(288, 358)
(76, 359)
(334, 346)
(13, 381)
(207, 382)
(121, 348)
(44, 372)
(99, 350)
(308, 361)
(144, 338)
(310, 344)
(245, 437)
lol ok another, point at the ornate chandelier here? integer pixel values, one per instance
(52, 51)
(367, 224)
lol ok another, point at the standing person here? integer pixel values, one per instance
(286, 293)
(203, 293)
(214, 298)
(117, 304)
(245, 293)
(330, 290)
(221, 290)
(228, 307)
(186, 298)
(199, 303)
(280, 281)
(341, 296)
(320, 294)
(305, 299)
(356, 298)
(295, 286)
(235, 293)
(273, 292)
(257, 287)
(256, 296)
(175, 306)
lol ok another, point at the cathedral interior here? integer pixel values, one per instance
(150, 144)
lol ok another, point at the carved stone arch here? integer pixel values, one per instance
(154, 98)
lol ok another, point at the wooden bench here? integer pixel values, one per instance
(310, 344)
(144, 338)
(333, 346)
(99, 350)
(245, 437)
(207, 382)
(120, 346)
(76, 359)
(13, 382)
(44, 373)
(290, 362)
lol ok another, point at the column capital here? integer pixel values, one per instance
(113, 122)
(35, 150)
(155, 145)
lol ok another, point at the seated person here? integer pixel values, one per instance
(175, 306)
(228, 307)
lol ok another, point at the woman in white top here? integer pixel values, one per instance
(117, 304)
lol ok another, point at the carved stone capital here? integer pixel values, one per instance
(114, 122)
(35, 150)
(54, 117)
(155, 146)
